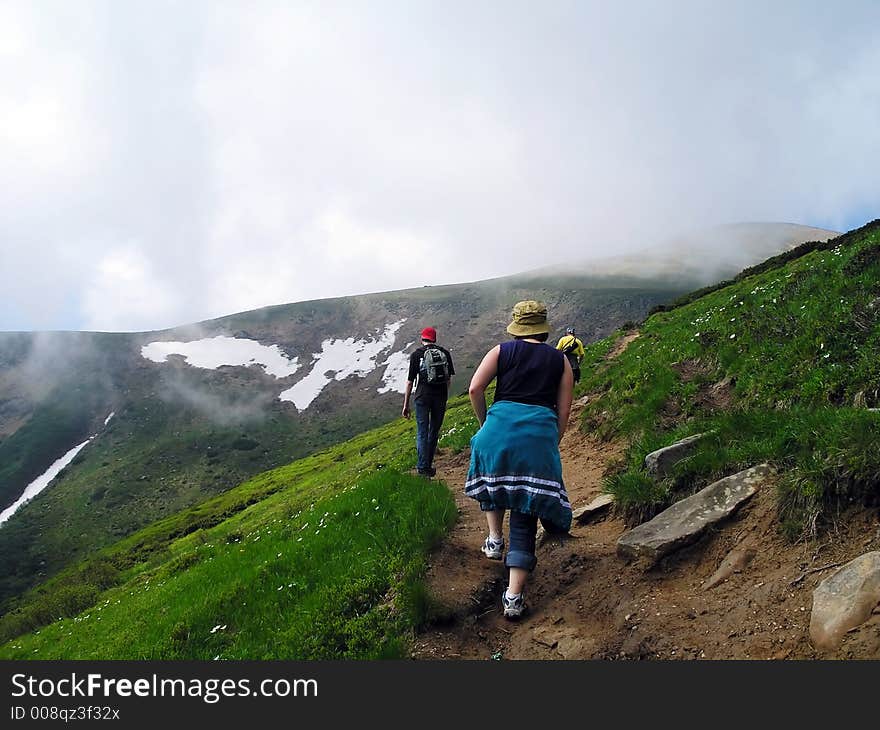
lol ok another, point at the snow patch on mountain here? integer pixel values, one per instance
(42, 481)
(340, 359)
(212, 352)
(396, 370)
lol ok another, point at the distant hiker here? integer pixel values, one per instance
(431, 368)
(574, 351)
(515, 461)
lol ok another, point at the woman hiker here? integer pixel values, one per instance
(515, 462)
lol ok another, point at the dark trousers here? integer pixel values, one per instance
(521, 548)
(429, 417)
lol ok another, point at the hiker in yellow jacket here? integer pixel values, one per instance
(574, 351)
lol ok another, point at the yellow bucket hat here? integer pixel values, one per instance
(529, 318)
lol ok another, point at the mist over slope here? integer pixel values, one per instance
(734, 246)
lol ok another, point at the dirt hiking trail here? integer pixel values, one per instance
(585, 602)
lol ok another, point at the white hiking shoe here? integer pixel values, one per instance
(493, 549)
(513, 607)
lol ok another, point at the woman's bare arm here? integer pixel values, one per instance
(484, 374)
(563, 397)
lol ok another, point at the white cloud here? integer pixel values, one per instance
(269, 152)
(124, 292)
(46, 137)
(333, 255)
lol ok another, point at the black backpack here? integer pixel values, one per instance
(435, 366)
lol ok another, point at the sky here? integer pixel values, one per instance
(164, 163)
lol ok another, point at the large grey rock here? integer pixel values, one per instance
(686, 520)
(599, 505)
(845, 600)
(659, 463)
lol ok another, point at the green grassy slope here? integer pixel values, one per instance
(153, 459)
(792, 353)
(317, 559)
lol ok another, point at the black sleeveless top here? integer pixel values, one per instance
(529, 372)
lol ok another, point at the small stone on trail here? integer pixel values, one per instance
(736, 560)
(659, 463)
(601, 503)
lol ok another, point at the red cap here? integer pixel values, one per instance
(429, 333)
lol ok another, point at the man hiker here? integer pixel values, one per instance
(574, 351)
(430, 367)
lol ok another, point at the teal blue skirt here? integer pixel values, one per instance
(515, 463)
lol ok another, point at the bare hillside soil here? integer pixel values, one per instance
(585, 602)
